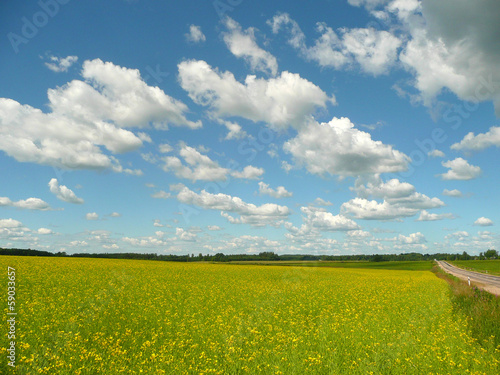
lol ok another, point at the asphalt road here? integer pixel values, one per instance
(488, 282)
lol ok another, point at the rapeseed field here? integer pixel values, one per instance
(103, 316)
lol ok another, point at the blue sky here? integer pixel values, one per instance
(347, 127)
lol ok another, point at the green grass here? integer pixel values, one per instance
(480, 309)
(486, 266)
(405, 266)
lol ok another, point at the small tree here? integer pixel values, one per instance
(491, 254)
(465, 256)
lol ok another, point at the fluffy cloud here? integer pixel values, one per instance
(29, 135)
(479, 142)
(448, 45)
(184, 235)
(416, 201)
(374, 186)
(426, 216)
(358, 234)
(483, 222)
(10, 223)
(399, 200)
(452, 47)
(26, 204)
(460, 235)
(195, 34)
(325, 221)
(338, 148)
(374, 51)
(13, 230)
(165, 148)
(452, 193)
(266, 214)
(86, 116)
(58, 64)
(92, 216)
(249, 172)
(316, 221)
(361, 208)
(412, 239)
(485, 235)
(279, 192)
(369, 4)
(436, 154)
(460, 169)
(63, 193)
(445, 45)
(199, 167)
(285, 100)
(149, 241)
(111, 247)
(117, 94)
(44, 231)
(242, 44)
(234, 130)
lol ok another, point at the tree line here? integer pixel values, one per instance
(262, 256)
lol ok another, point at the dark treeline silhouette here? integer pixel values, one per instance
(263, 256)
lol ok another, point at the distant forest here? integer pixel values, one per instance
(263, 256)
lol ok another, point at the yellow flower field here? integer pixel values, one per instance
(102, 316)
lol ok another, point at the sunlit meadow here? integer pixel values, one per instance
(102, 316)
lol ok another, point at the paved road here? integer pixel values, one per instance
(485, 281)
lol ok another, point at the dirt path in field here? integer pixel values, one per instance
(481, 280)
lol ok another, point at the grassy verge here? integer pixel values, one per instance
(481, 309)
(485, 266)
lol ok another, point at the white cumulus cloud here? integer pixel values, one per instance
(88, 115)
(44, 231)
(483, 222)
(92, 216)
(460, 169)
(436, 154)
(426, 216)
(195, 34)
(249, 172)
(479, 142)
(59, 64)
(26, 204)
(374, 51)
(283, 101)
(338, 148)
(452, 193)
(242, 43)
(279, 192)
(266, 214)
(63, 193)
